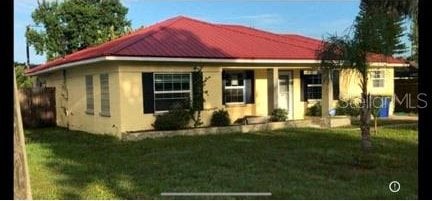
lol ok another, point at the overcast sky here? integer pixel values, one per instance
(306, 17)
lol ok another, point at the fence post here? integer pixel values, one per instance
(22, 189)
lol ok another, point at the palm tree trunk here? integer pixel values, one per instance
(365, 117)
(376, 125)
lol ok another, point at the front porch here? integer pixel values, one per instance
(291, 88)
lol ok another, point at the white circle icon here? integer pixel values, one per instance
(394, 186)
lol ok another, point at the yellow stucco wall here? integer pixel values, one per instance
(349, 80)
(261, 93)
(73, 99)
(126, 94)
(299, 106)
(55, 79)
(131, 95)
(131, 98)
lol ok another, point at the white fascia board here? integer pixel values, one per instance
(268, 67)
(390, 65)
(193, 60)
(205, 60)
(67, 65)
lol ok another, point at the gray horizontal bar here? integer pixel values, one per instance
(217, 194)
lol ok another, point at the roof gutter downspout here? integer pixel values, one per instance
(65, 97)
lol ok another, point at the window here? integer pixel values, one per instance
(89, 94)
(234, 87)
(105, 99)
(172, 90)
(378, 78)
(313, 84)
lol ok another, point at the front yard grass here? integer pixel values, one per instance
(290, 163)
(386, 122)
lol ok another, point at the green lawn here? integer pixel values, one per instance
(291, 164)
(386, 122)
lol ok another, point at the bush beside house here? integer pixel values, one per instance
(220, 118)
(315, 110)
(348, 107)
(172, 120)
(279, 114)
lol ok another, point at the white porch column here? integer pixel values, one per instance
(275, 87)
(326, 97)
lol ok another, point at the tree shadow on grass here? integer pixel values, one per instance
(290, 163)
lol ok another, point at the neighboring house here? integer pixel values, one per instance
(121, 85)
(406, 89)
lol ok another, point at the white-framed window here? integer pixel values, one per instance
(378, 78)
(234, 87)
(172, 90)
(89, 94)
(105, 95)
(313, 84)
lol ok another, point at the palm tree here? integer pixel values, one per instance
(350, 53)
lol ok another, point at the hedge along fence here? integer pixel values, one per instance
(37, 106)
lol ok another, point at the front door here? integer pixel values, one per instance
(285, 92)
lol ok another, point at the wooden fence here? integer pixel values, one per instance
(38, 106)
(407, 88)
(21, 180)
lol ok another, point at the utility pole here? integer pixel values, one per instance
(28, 45)
(27, 48)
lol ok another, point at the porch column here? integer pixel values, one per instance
(275, 87)
(326, 97)
(272, 89)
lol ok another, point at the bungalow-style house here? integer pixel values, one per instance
(120, 86)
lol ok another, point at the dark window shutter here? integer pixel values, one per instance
(303, 86)
(250, 87)
(148, 93)
(197, 90)
(223, 87)
(336, 85)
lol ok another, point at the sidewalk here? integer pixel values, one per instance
(404, 117)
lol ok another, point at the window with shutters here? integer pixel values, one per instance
(105, 95)
(172, 90)
(89, 94)
(378, 78)
(313, 84)
(234, 87)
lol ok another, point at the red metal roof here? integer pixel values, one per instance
(372, 57)
(183, 37)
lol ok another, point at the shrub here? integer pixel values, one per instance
(22, 80)
(348, 107)
(315, 110)
(220, 118)
(279, 114)
(172, 120)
